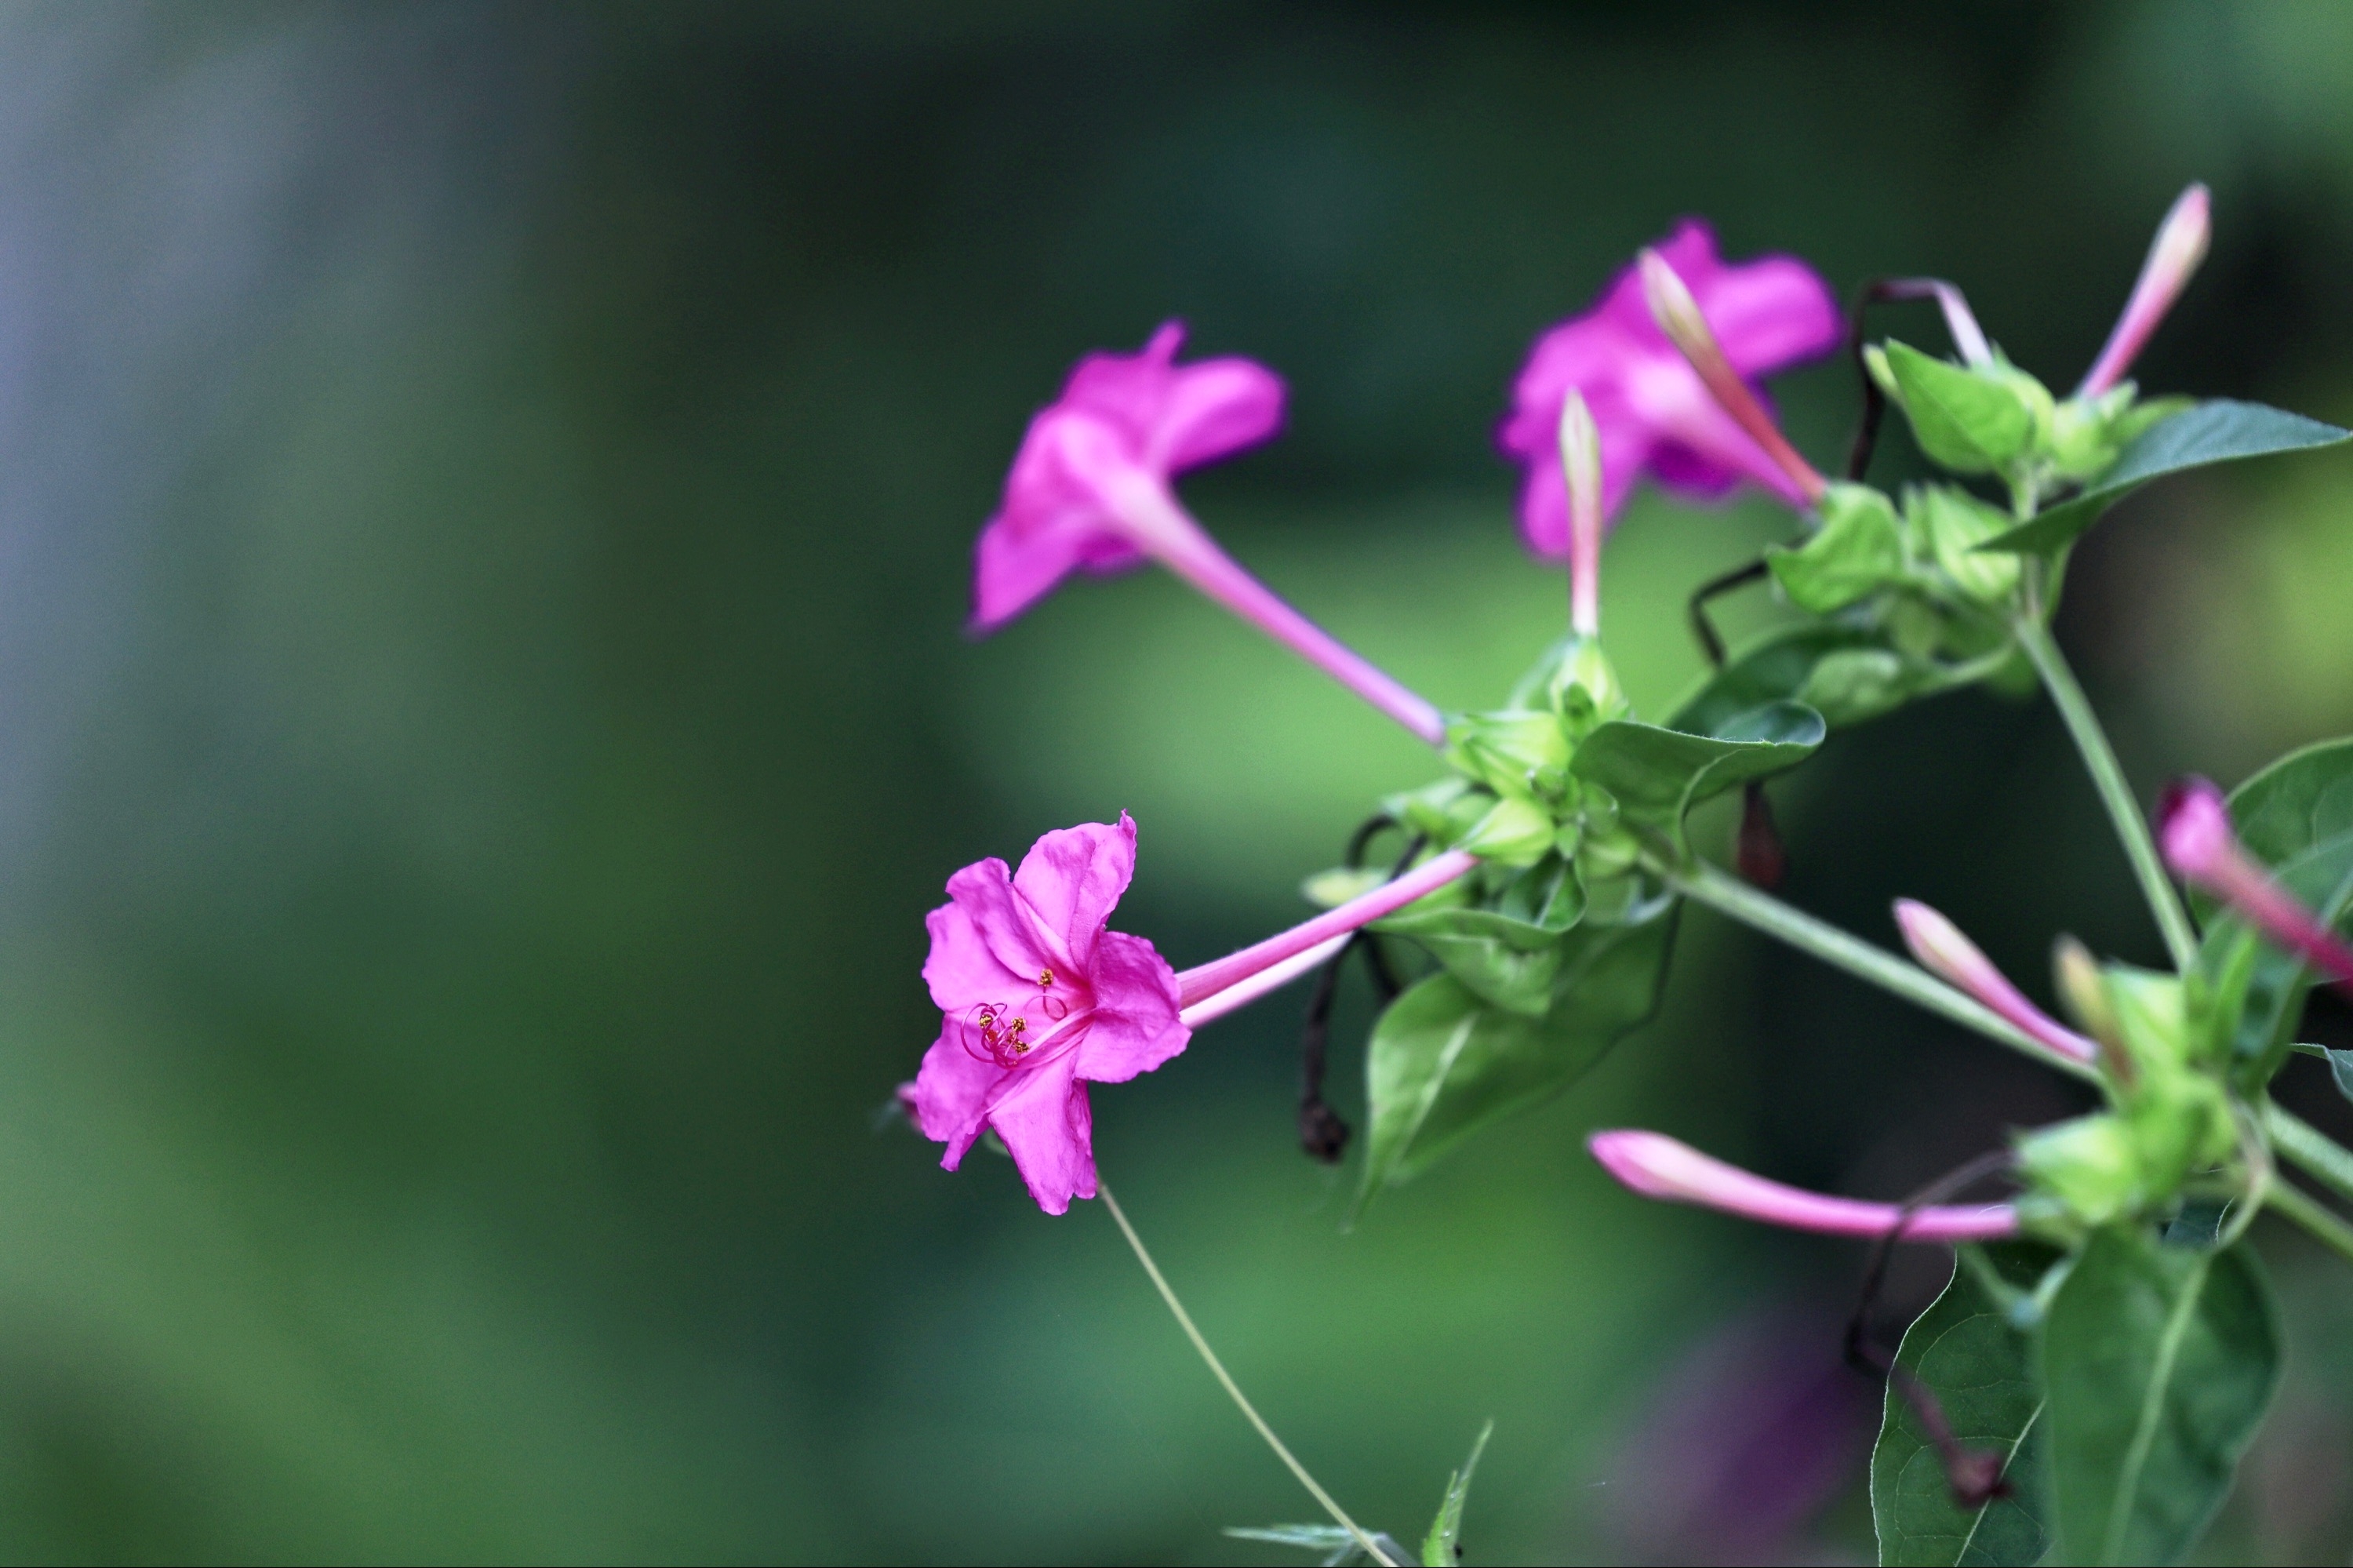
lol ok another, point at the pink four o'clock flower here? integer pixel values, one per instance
(2195, 831)
(1658, 1166)
(1654, 413)
(1039, 998)
(1089, 490)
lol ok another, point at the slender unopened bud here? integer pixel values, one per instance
(2173, 256)
(2194, 830)
(1938, 947)
(1658, 1166)
(2087, 993)
(1581, 467)
(1677, 315)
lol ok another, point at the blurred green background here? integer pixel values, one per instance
(486, 498)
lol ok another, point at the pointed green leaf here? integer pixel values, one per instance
(1978, 1365)
(1848, 673)
(1443, 1063)
(2220, 430)
(2157, 1363)
(1966, 420)
(1658, 775)
(1856, 552)
(1954, 524)
(1443, 1544)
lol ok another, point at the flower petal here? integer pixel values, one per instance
(1072, 878)
(1215, 407)
(1041, 1113)
(1649, 408)
(951, 1093)
(1771, 313)
(1135, 1026)
(983, 925)
(1128, 391)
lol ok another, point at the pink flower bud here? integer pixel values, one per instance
(1658, 1166)
(1938, 947)
(1678, 317)
(2173, 256)
(2195, 833)
(1580, 462)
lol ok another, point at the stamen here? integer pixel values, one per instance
(1045, 979)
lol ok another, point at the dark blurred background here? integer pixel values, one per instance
(486, 498)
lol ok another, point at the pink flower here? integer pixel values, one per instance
(1653, 411)
(1089, 490)
(2194, 829)
(1658, 1166)
(1039, 1000)
(2173, 256)
(1939, 947)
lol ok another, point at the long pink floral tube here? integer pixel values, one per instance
(2173, 256)
(1939, 947)
(1168, 532)
(1657, 1166)
(2200, 846)
(1272, 978)
(1200, 983)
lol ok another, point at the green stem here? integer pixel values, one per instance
(1365, 1542)
(1707, 884)
(2294, 1204)
(2312, 1150)
(2116, 794)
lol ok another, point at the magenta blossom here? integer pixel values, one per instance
(1039, 1000)
(1658, 1166)
(1089, 490)
(1654, 413)
(2195, 830)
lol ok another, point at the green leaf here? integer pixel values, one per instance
(2341, 1069)
(1443, 1063)
(1966, 1350)
(1856, 552)
(1516, 752)
(1658, 775)
(2220, 430)
(2157, 1363)
(1967, 421)
(2296, 817)
(1954, 524)
(1443, 1544)
(1508, 953)
(1848, 673)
